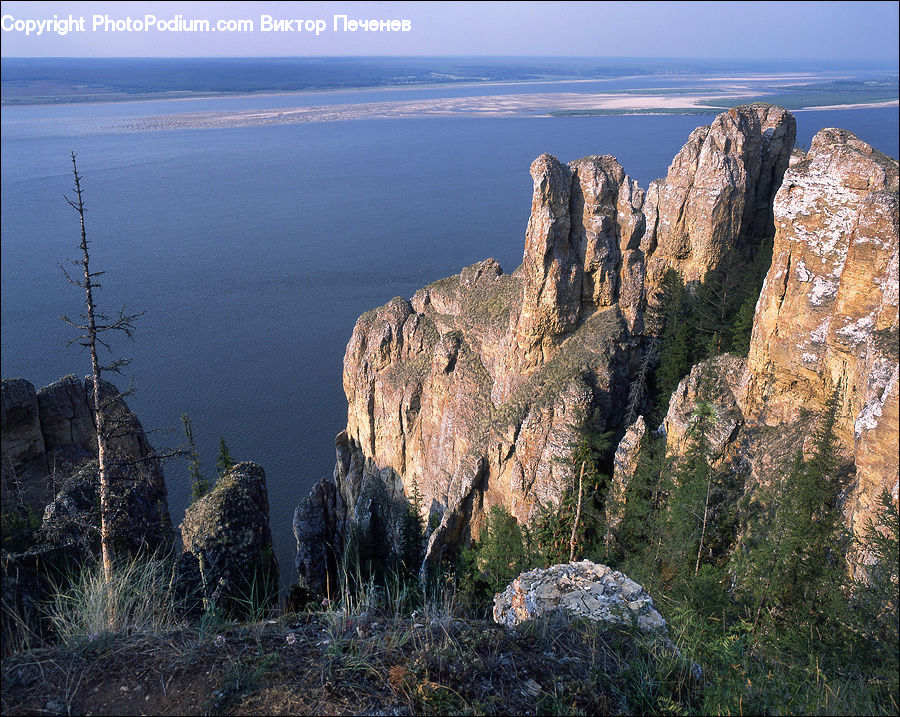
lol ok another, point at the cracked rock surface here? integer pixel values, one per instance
(583, 589)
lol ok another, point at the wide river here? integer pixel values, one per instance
(254, 249)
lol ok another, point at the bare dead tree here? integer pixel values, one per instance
(94, 325)
(638, 388)
(577, 514)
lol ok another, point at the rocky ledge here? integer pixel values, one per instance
(49, 449)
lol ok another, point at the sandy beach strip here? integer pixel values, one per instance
(860, 106)
(501, 105)
(480, 106)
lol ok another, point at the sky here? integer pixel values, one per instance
(740, 30)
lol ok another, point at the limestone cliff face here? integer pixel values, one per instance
(715, 204)
(828, 313)
(474, 390)
(827, 317)
(584, 217)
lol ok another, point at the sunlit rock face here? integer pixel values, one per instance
(473, 391)
(715, 204)
(828, 312)
(826, 323)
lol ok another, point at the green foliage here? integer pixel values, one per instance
(640, 530)
(224, 461)
(689, 487)
(199, 484)
(876, 594)
(742, 326)
(704, 320)
(412, 533)
(676, 343)
(769, 620)
(495, 560)
(19, 528)
(796, 557)
(576, 527)
(713, 306)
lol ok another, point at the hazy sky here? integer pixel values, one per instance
(820, 30)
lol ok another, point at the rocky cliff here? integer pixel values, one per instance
(473, 391)
(48, 442)
(715, 204)
(826, 322)
(49, 474)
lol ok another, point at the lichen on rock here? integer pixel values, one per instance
(475, 389)
(227, 560)
(581, 589)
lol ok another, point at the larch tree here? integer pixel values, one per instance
(94, 326)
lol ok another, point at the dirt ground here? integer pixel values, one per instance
(326, 663)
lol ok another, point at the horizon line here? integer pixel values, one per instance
(480, 57)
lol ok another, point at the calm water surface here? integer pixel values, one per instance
(254, 249)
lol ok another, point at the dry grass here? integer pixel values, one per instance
(329, 663)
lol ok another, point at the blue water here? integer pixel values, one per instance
(254, 249)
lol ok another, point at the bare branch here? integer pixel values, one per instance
(116, 366)
(73, 324)
(66, 274)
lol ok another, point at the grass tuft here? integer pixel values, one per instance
(138, 599)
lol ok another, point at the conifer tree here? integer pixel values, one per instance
(675, 343)
(639, 529)
(742, 326)
(877, 589)
(714, 303)
(689, 497)
(224, 461)
(199, 484)
(412, 532)
(794, 569)
(575, 525)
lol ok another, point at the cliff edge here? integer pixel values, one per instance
(472, 393)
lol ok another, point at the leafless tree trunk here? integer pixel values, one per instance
(95, 325)
(577, 515)
(705, 516)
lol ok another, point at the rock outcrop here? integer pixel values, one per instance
(318, 526)
(582, 589)
(828, 313)
(50, 472)
(227, 557)
(826, 321)
(475, 389)
(49, 442)
(715, 204)
(625, 463)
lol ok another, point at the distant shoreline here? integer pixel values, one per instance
(121, 98)
(563, 104)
